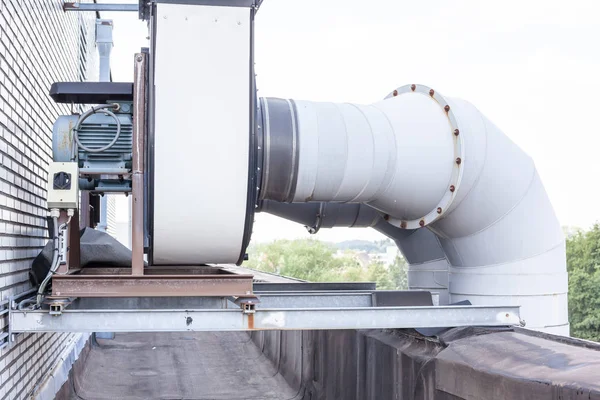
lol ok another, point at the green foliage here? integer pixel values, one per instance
(399, 274)
(317, 261)
(583, 265)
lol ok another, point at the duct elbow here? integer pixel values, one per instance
(501, 236)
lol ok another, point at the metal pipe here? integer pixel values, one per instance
(315, 216)
(424, 160)
(104, 41)
(139, 132)
(364, 154)
(55, 257)
(99, 7)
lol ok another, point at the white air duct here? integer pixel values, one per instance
(423, 160)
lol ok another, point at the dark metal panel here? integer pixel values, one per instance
(253, 187)
(280, 155)
(91, 92)
(392, 298)
(149, 167)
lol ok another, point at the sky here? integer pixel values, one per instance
(532, 67)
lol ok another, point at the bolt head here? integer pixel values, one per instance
(446, 108)
(421, 223)
(452, 188)
(403, 224)
(456, 132)
(413, 87)
(439, 210)
(431, 92)
(395, 93)
(458, 161)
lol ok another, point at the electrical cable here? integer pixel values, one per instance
(55, 258)
(105, 109)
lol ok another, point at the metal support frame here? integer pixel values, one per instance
(4, 311)
(352, 312)
(71, 6)
(137, 184)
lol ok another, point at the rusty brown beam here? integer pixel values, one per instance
(151, 285)
(84, 210)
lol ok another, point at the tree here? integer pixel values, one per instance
(399, 273)
(583, 265)
(307, 259)
(376, 272)
(317, 261)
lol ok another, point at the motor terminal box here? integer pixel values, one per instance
(63, 185)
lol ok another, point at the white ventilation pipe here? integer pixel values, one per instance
(427, 262)
(424, 160)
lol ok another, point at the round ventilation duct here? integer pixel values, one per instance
(425, 161)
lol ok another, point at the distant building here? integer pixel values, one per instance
(388, 258)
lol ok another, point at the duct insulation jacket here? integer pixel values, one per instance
(424, 161)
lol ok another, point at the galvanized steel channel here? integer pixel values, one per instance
(175, 320)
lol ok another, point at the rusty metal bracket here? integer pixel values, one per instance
(246, 303)
(57, 305)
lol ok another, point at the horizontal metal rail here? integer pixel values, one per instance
(99, 7)
(173, 320)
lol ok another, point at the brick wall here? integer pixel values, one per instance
(39, 44)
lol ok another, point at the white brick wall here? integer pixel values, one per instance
(39, 44)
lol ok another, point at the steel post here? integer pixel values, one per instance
(139, 134)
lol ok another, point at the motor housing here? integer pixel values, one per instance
(105, 171)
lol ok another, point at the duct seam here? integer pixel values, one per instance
(374, 156)
(501, 217)
(345, 130)
(385, 187)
